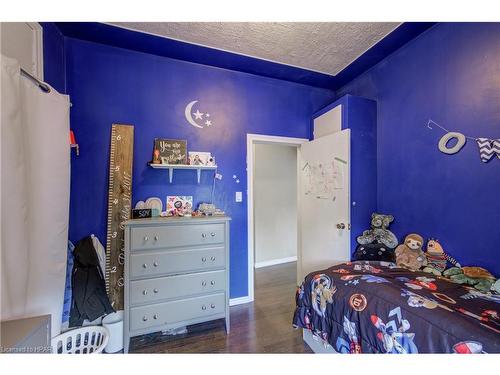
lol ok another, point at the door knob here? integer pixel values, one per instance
(340, 226)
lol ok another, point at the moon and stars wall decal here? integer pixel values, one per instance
(200, 120)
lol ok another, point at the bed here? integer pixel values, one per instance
(376, 307)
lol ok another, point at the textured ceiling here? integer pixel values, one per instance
(325, 47)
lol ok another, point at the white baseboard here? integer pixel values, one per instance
(240, 300)
(275, 261)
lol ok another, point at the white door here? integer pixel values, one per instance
(324, 212)
(23, 41)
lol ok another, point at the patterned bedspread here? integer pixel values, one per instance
(375, 307)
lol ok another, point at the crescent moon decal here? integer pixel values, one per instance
(188, 115)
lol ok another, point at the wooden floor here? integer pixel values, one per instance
(264, 326)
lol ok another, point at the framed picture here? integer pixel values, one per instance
(199, 158)
(179, 205)
(169, 151)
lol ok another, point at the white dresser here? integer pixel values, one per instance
(176, 273)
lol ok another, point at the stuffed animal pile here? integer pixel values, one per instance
(435, 261)
(379, 243)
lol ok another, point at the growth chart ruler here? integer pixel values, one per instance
(119, 208)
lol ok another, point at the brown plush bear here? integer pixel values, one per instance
(410, 254)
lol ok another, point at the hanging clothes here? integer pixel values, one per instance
(101, 253)
(67, 288)
(35, 164)
(90, 300)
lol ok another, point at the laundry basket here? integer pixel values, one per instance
(85, 340)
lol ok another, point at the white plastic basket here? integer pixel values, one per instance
(85, 340)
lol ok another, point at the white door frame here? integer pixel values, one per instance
(253, 139)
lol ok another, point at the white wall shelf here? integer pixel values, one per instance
(172, 167)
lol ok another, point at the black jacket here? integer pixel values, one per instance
(89, 300)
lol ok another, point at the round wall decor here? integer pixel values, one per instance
(443, 142)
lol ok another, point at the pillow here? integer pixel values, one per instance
(374, 251)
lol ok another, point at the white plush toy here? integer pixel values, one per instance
(496, 286)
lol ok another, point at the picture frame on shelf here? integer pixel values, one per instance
(169, 151)
(200, 158)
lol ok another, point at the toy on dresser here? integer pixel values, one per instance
(410, 254)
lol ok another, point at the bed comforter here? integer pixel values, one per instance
(375, 307)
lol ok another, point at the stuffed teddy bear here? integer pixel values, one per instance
(410, 254)
(379, 232)
(437, 259)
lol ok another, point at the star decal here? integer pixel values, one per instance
(207, 114)
(208, 123)
(198, 115)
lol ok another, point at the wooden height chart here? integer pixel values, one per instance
(119, 208)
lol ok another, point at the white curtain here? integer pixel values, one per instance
(35, 162)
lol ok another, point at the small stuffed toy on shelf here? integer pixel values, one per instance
(410, 254)
(437, 259)
(377, 243)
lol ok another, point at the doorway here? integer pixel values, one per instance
(272, 169)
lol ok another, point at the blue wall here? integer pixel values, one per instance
(53, 57)
(450, 73)
(112, 85)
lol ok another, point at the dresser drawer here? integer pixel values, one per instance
(151, 290)
(167, 261)
(176, 311)
(155, 237)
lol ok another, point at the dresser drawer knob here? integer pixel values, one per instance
(203, 283)
(212, 306)
(144, 292)
(146, 238)
(144, 265)
(203, 235)
(155, 316)
(145, 318)
(212, 259)
(155, 264)
(155, 291)
(157, 237)
(212, 234)
(203, 259)
(203, 307)
(212, 282)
